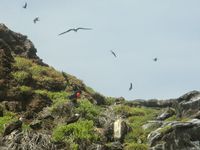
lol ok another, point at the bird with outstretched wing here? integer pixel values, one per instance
(25, 5)
(114, 54)
(131, 86)
(75, 30)
(36, 19)
(155, 59)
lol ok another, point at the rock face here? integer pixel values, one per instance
(18, 44)
(120, 129)
(176, 136)
(27, 140)
(6, 60)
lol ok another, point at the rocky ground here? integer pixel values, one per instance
(36, 113)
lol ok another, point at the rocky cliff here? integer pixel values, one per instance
(36, 112)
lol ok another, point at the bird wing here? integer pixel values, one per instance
(113, 53)
(36, 19)
(25, 5)
(131, 86)
(84, 28)
(66, 31)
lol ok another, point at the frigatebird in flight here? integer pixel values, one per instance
(75, 30)
(36, 19)
(25, 5)
(131, 86)
(113, 53)
(155, 59)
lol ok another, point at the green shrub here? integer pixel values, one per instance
(21, 76)
(110, 100)
(6, 119)
(45, 77)
(140, 116)
(165, 129)
(136, 146)
(58, 98)
(130, 111)
(22, 64)
(87, 109)
(82, 130)
(25, 88)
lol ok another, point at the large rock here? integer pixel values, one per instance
(166, 114)
(176, 136)
(120, 129)
(19, 44)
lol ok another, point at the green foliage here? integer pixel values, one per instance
(130, 111)
(6, 119)
(25, 89)
(110, 100)
(87, 109)
(136, 146)
(172, 118)
(165, 129)
(21, 76)
(25, 126)
(58, 98)
(45, 77)
(82, 130)
(22, 64)
(139, 117)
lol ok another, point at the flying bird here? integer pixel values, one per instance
(155, 59)
(36, 19)
(131, 86)
(75, 30)
(25, 5)
(113, 53)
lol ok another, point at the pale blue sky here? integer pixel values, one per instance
(137, 30)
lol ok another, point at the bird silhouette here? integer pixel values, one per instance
(75, 30)
(73, 119)
(131, 86)
(36, 19)
(114, 54)
(25, 5)
(155, 59)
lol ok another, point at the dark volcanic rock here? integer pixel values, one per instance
(19, 44)
(176, 136)
(36, 124)
(12, 126)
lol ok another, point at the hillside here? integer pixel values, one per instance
(36, 112)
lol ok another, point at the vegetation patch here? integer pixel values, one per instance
(165, 129)
(74, 133)
(6, 119)
(87, 109)
(139, 117)
(136, 146)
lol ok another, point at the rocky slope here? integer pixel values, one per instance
(36, 113)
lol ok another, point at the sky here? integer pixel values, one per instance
(136, 30)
